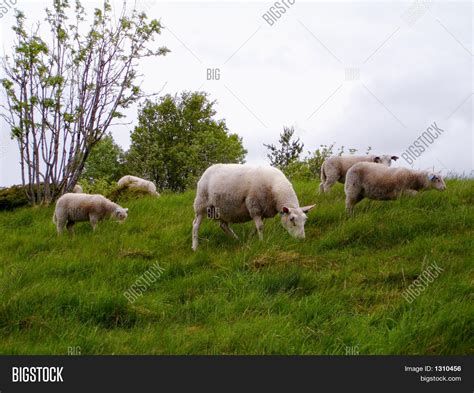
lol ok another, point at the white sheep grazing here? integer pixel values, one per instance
(232, 193)
(334, 169)
(369, 180)
(71, 208)
(138, 183)
(77, 189)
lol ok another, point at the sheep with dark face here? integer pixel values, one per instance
(71, 208)
(372, 181)
(334, 169)
(232, 193)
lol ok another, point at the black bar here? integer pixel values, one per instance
(242, 373)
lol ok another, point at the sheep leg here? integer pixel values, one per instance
(228, 230)
(60, 225)
(259, 225)
(70, 227)
(351, 202)
(252, 231)
(410, 192)
(196, 224)
(94, 221)
(326, 186)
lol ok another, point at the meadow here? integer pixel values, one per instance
(337, 292)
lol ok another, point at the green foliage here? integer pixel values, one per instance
(310, 166)
(112, 191)
(105, 162)
(288, 152)
(100, 186)
(340, 287)
(300, 170)
(286, 156)
(16, 196)
(177, 138)
(64, 87)
(12, 198)
(124, 195)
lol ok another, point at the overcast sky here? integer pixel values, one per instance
(356, 73)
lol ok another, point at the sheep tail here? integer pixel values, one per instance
(323, 179)
(323, 174)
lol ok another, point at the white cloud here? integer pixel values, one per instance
(416, 73)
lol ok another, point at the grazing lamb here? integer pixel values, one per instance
(77, 189)
(369, 180)
(138, 183)
(334, 169)
(238, 193)
(71, 208)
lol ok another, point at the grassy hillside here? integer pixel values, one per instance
(337, 292)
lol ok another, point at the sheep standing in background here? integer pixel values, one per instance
(137, 183)
(232, 193)
(71, 208)
(369, 180)
(77, 189)
(334, 169)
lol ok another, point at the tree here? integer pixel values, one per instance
(177, 138)
(288, 152)
(105, 161)
(65, 88)
(287, 156)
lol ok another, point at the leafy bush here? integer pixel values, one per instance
(177, 138)
(99, 186)
(288, 151)
(106, 161)
(299, 170)
(307, 168)
(111, 190)
(13, 197)
(126, 194)
(16, 196)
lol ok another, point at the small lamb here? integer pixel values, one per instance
(334, 169)
(71, 208)
(373, 181)
(232, 193)
(138, 183)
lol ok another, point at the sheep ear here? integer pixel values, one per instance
(126, 210)
(285, 210)
(395, 158)
(306, 209)
(432, 177)
(377, 159)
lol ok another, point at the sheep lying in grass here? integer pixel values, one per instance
(334, 169)
(238, 193)
(71, 208)
(77, 189)
(138, 183)
(369, 180)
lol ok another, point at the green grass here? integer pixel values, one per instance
(340, 288)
